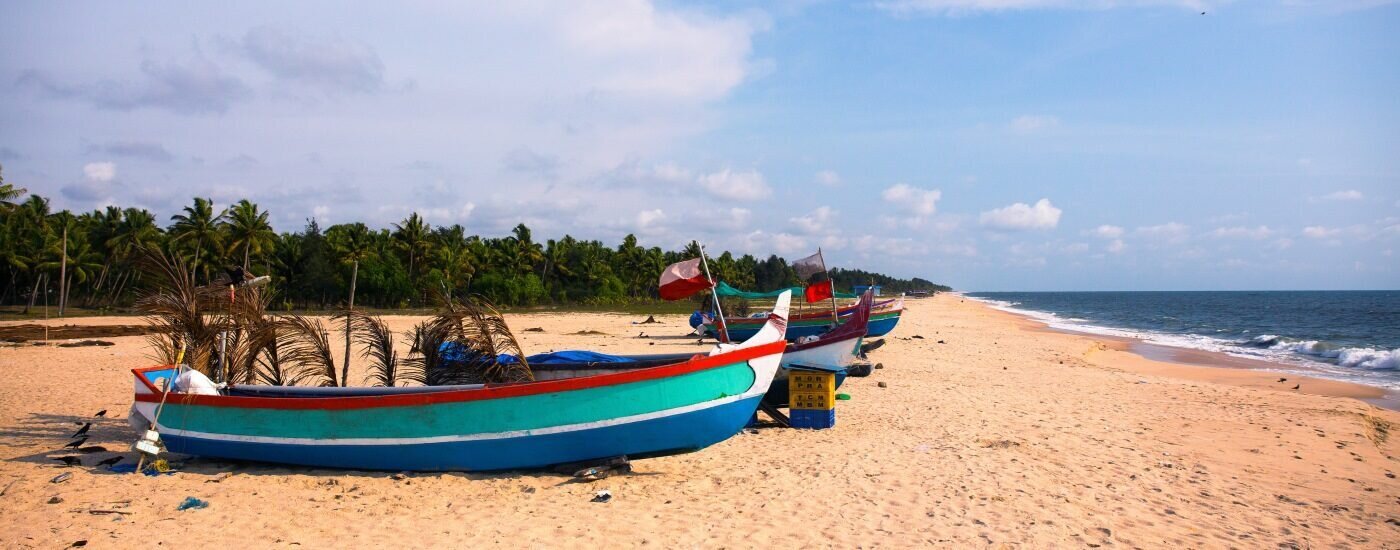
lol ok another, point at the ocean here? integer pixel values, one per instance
(1342, 335)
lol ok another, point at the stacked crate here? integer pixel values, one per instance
(811, 399)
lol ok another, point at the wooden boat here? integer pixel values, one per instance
(836, 349)
(883, 318)
(671, 408)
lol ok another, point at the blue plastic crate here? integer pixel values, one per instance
(812, 419)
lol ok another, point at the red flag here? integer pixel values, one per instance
(818, 291)
(681, 280)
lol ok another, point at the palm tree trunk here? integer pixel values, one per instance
(246, 246)
(34, 294)
(345, 370)
(62, 274)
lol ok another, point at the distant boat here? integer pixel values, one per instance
(884, 316)
(671, 408)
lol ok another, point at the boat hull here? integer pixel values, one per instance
(676, 433)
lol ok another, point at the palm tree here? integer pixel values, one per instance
(197, 230)
(353, 243)
(527, 253)
(412, 237)
(247, 227)
(453, 257)
(8, 193)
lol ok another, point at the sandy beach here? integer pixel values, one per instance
(989, 431)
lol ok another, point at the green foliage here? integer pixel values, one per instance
(405, 265)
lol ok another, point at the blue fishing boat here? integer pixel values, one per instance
(677, 407)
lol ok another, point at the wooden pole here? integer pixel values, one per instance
(719, 313)
(835, 317)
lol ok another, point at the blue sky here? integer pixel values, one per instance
(989, 144)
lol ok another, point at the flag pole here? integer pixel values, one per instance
(723, 326)
(835, 317)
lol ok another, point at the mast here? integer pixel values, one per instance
(835, 317)
(723, 326)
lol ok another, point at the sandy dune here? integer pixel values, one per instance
(1002, 434)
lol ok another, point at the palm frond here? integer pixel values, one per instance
(307, 345)
(377, 345)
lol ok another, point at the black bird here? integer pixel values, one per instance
(102, 412)
(69, 460)
(82, 430)
(76, 443)
(1283, 380)
(109, 461)
(1298, 386)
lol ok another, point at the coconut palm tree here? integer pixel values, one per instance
(413, 238)
(247, 228)
(353, 244)
(8, 193)
(197, 232)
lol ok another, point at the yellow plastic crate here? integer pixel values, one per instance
(800, 381)
(821, 401)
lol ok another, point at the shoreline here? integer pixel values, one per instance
(1213, 366)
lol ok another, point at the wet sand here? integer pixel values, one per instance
(990, 431)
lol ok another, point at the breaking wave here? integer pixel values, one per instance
(1316, 357)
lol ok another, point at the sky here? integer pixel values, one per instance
(986, 144)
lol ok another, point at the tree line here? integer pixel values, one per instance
(401, 266)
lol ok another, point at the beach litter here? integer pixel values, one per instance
(843, 397)
(60, 478)
(602, 496)
(191, 503)
(883, 385)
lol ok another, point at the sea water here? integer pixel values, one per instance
(1343, 335)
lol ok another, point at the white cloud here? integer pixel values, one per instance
(1320, 232)
(916, 201)
(1107, 232)
(1020, 216)
(762, 243)
(828, 178)
(743, 186)
(1347, 195)
(100, 171)
(647, 218)
(1030, 124)
(1255, 233)
(816, 221)
(1116, 246)
(1171, 232)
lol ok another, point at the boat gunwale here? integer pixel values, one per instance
(489, 391)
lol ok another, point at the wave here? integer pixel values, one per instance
(1317, 357)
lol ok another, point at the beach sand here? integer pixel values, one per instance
(991, 431)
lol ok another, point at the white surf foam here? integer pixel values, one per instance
(1305, 357)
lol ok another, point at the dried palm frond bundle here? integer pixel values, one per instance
(467, 343)
(184, 311)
